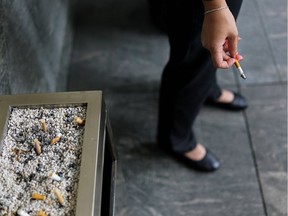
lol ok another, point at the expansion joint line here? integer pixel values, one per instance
(253, 153)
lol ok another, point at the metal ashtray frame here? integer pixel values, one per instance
(97, 144)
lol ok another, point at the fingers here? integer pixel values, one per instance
(232, 45)
(238, 57)
(224, 56)
(227, 56)
(221, 60)
(225, 45)
(217, 58)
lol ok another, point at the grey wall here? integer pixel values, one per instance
(35, 44)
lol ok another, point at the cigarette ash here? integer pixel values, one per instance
(33, 167)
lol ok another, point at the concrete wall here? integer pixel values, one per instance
(35, 45)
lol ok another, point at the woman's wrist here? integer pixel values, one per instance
(213, 4)
(215, 9)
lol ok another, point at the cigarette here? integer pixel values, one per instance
(41, 213)
(54, 176)
(79, 121)
(240, 70)
(38, 196)
(37, 146)
(59, 196)
(21, 212)
(56, 139)
(43, 125)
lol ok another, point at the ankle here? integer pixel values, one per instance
(226, 96)
(197, 154)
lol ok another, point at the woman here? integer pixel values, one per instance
(203, 37)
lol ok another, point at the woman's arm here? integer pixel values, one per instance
(219, 33)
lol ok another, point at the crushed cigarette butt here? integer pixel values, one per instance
(38, 196)
(78, 120)
(59, 196)
(56, 139)
(21, 212)
(43, 125)
(37, 146)
(41, 213)
(54, 176)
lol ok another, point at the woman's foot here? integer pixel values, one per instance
(229, 100)
(200, 159)
(226, 96)
(197, 154)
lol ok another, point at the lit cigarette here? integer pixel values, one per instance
(238, 66)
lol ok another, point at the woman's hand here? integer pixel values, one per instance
(220, 37)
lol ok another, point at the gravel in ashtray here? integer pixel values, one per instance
(25, 172)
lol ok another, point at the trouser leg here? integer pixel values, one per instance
(188, 77)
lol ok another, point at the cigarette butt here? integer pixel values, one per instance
(16, 151)
(54, 176)
(21, 212)
(59, 196)
(56, 139)
(43, 125)
(38, 196)
(41, 213)
(37, 146)
(79, 121)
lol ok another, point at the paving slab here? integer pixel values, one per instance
(274, 20)
(258, 63)
(158, 185)
(227, 77)
(267, 119)
(107, 54)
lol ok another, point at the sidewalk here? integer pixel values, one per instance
(117, 50)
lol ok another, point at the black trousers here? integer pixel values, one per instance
(189, 76)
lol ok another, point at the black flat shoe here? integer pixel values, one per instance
(238, 103)
(208, 164)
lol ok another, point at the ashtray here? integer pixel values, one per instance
(56, 155)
